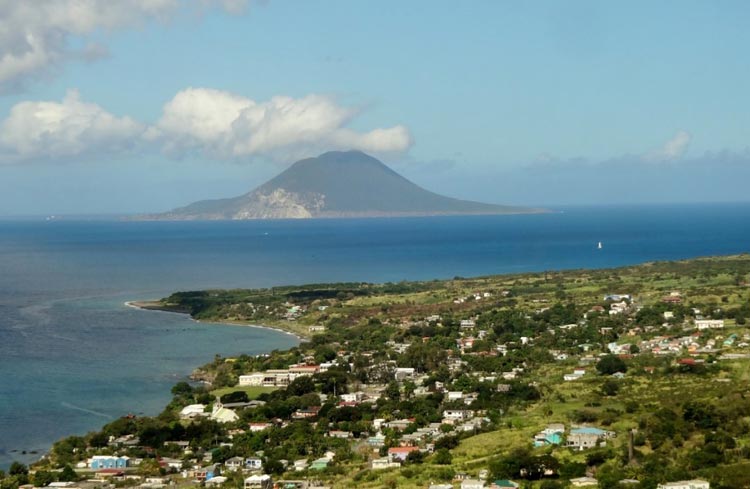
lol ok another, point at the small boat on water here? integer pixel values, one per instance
(599, 246)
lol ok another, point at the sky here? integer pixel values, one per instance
(134, 106)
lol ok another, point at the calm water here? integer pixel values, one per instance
(72, 356)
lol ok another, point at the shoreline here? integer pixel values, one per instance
(157, 306)
(36, 455)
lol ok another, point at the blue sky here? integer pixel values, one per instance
(543, 103)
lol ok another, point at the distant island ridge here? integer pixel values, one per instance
(334, 185)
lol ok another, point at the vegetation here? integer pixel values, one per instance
(495, 361)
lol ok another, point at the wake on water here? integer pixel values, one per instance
(89, 411)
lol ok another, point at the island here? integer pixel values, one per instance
(336, 184)
(633, 377)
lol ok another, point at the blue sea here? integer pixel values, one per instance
(73, 356)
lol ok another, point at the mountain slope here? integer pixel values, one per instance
(335, 184)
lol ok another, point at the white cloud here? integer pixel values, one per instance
(63, 130)
(35, 34)
(673, 149)
(225, 125)
(214, 123)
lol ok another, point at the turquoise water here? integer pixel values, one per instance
(72, 356)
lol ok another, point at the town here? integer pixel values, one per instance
(624, 378)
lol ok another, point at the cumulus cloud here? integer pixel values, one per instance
(673, 149)
(225, 125)
(62, 130)
(213, 123)
(35, 35)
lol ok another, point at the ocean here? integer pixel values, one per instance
(73, 356)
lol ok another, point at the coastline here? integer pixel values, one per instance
(37, 455)
(158, 306)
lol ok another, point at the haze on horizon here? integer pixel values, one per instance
(146, 105)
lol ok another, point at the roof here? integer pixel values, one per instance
(258, 478)
(505, 483)
(402, 449)
(587, 430)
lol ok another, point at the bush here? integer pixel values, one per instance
(443, 457)
(610, 364)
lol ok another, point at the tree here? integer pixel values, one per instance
(149, 467)
(43, 478)
(443, 457)
(236, 396)
(68, 474)
(17, 468)
(392, 391)
(610, 387)
(610, 364)
(301, 386)
(182, 389)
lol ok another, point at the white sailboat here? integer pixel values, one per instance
(599, 246)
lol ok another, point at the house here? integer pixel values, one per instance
(253, 463)
(216, 481)
(376, 441)
(584, 482)
(586, 437)
(353, 397)
(702, 324)
(300, 465)
(204, 473)
(99, 462)
(263, 481)
(465, 343)
(170, 463)
(384, 463)
(193, 411)
(255, 427)
(320, 464)
(468, 324)
(405, 373)
(454, 396)
(340, 434)
(399, 424)
(551, 435)
(691, 484)
(302, 370)
(400, 453)
(254, 379)
(452, 415)
(235, 463)
(307, 413)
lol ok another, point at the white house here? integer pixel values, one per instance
(584, 482)
(258, 482)
(702, 324)
(193, 411)
(254, 379)
(404, 373)
(384, 463)
(457, 414)
(691, 484)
